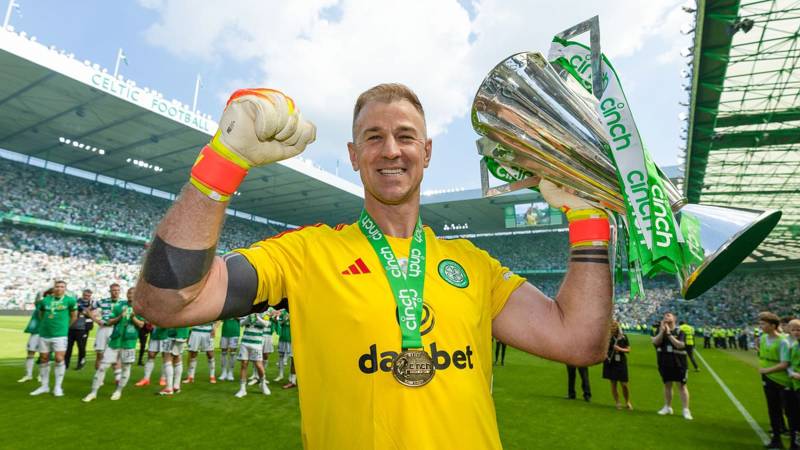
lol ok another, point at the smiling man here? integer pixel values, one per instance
(413, 315)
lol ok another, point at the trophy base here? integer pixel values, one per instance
(728, 256)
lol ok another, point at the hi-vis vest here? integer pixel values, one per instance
(770, 355)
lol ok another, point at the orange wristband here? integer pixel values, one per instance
(217, 173)
(591, 230)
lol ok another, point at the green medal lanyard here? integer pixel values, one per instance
(407, 287)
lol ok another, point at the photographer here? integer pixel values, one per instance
(670, 343)
(79, 330)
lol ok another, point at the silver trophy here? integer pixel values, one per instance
(536, 118)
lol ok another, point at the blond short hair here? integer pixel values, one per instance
(386, 93)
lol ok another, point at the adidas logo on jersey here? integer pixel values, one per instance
(357, 268)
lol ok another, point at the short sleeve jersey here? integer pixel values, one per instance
(204, 328)
(159, 334)
(125, 334)
(254, 330)
(33, 323)
(285, 332)
(231, 328)
(336, 287)
(105, 305)
(179, 333)
(56, 315)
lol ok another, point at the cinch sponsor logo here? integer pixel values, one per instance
(663, 234)
(372, 230)
(409, 298)
(392, 265)
(373, 361)
(611, 112)
(414, 261)
(427, 322)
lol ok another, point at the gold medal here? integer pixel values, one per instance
(413, 368)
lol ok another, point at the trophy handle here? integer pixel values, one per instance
(591, 25)
(488, 191)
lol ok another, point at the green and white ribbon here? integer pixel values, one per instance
(407, 285)
(654, 233)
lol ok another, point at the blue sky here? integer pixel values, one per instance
(324, 52)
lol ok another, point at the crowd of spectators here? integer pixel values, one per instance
(49, 195)
(527, 252)
(31, 259)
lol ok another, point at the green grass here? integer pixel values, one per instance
(529, 395)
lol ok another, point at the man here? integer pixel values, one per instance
(670, 343)
(79, 330)
(33, 337)
(367, 373)
(103, 311)
(251, 350)
(121, 346)
(284, 341)
(56, 313)
(732, 337)
(774, 357)
(743, 344)
(201, 339)
(707, 338)
(270, 317)
(794, 373)
(585, 386)
(144, 334)
(173, 360)
(688, 331)
(500, 351)
(228, 343)
(159, 343)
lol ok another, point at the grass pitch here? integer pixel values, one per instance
(528, 391)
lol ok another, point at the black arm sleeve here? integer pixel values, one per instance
(242, 287)
(170, 267)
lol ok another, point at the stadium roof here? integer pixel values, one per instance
(48, 97)
(743, 142)
(58, 109)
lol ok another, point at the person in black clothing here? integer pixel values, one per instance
(79, 330)
(144, 333)
(500, 350)
(706, 337)
(670, 343)
(584, 373)
(615, 366)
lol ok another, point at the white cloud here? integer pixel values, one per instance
(434, 47)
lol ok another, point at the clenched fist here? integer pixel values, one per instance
(258, 127)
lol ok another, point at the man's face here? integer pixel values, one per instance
(114, 290)
(766, 327)
(129, 294)
(87, 295)
(391, 150)
(670, 319)
(59, 289)
(794, 329)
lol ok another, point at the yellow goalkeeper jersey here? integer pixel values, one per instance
(345, 335)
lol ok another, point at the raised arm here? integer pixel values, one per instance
(572, 328)
(183, 283)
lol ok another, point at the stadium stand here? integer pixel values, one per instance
(32, 258)
(44, 194)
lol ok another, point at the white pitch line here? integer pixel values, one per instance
(753, 424)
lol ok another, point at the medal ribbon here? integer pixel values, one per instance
(407, 286)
